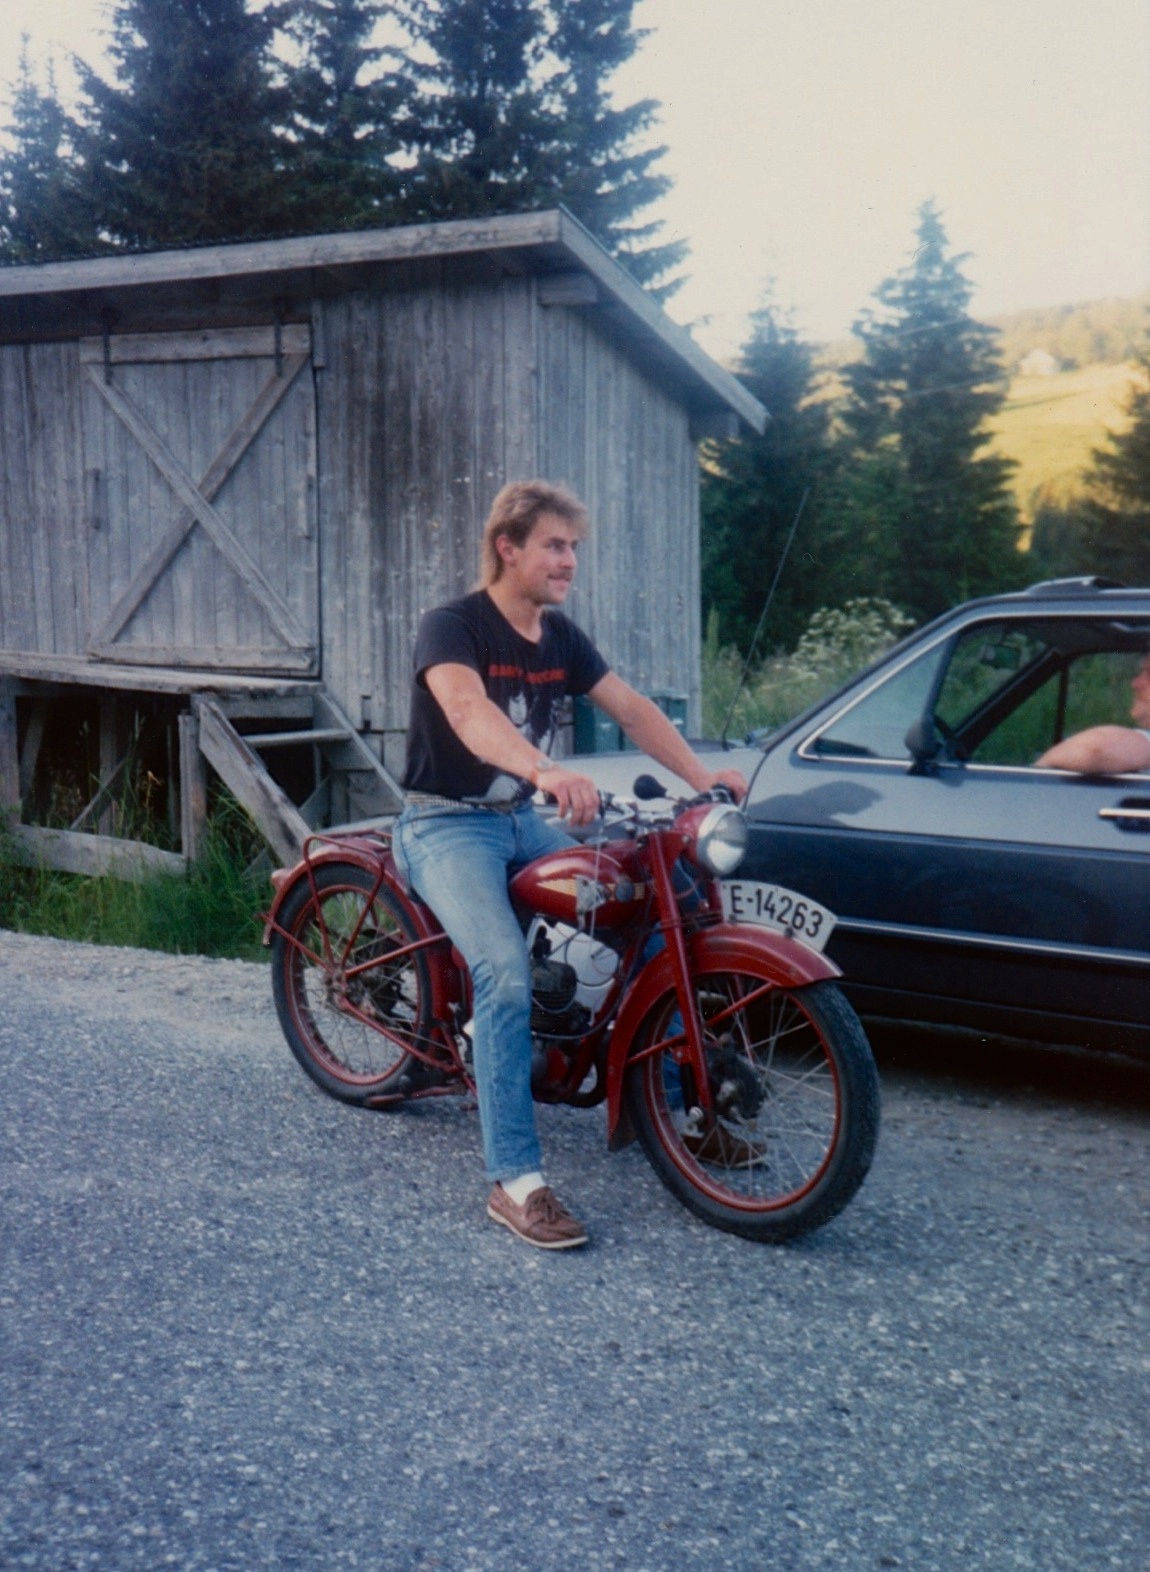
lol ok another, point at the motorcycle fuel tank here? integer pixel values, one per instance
(586, 886)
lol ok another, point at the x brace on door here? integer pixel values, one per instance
(196, 507)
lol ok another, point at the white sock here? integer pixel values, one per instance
(519, 1189)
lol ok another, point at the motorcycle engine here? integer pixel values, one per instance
(554, 1012)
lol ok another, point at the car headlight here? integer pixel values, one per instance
(722, 840)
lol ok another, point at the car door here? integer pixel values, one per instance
(972, 885)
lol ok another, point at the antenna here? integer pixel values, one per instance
(763, 614)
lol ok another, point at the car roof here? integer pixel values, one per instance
(1075, 594)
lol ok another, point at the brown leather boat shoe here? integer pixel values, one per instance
(542, 1220)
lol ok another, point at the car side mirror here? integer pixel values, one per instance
(923, 742)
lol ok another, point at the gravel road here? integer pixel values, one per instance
(244, 1327)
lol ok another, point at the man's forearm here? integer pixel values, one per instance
(484, 729)
(651, 732)
(1102, 750)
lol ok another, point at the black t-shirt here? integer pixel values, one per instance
(527, 681)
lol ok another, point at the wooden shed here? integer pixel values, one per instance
(234, 477)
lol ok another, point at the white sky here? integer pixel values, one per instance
(804, 134)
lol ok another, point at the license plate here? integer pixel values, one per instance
(773, 906)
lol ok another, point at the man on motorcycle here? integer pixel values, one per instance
(491, 670)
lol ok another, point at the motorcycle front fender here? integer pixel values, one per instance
(726, 947)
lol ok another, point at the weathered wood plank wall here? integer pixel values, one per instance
(431, 386)
(617, 439)
(427, 405)
(43, 544)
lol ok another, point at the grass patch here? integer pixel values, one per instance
(213, 910)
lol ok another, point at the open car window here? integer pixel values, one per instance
(1000, 693)
(1092, 690)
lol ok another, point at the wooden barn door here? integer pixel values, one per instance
(200, 460)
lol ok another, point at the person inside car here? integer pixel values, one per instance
(1109, 750)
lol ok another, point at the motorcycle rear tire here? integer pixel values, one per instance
(342, 922)
(796, 1098)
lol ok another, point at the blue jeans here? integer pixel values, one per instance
(460, 864)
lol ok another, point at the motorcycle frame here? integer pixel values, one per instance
(695, 944)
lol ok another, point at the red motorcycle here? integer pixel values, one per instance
(726, 1048)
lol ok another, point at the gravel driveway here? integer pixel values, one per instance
(245, 1327)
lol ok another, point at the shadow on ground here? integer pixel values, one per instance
(970, 1062)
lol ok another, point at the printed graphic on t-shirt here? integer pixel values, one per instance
(527, 681)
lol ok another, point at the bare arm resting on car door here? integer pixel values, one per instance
(1102, 750)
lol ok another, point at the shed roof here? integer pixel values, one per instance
(62, 299)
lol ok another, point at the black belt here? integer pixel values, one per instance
(428, 799)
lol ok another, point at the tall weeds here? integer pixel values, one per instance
(213, 910)
(838, 641)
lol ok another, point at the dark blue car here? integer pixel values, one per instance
(972, 887)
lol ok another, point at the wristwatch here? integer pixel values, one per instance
(543, 764)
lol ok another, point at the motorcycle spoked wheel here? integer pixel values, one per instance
(339, 926)
(796, 1106)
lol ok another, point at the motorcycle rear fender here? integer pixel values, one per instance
(725, 947)
(449, 984)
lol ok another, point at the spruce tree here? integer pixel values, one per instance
(752, 489)
(1114, 521)
(181, 146)
(42, 214)
(510, 111)
(915, 419)
(612, 177)
(474, 122)
(343, 110)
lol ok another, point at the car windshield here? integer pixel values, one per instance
(1000, 692)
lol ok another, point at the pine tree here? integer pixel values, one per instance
(42, 215)
(916, 411)
(1115, 516)
(612, 176)
(181, 147)
(344, 107)
(510, 111)
(752, 489)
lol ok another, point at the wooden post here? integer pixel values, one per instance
(9, 756)
(109, 758)
(193, 789)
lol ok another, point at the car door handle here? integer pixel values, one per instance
(1132, 813)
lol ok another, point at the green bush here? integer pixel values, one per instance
(838, 641)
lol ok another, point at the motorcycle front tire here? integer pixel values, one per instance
(794, 1098)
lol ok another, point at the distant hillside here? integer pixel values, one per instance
(1070, 370)
(1050, 426)
(1098, 333)
(1094, 332)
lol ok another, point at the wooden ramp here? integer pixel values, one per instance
(287, 752)
(351, 785)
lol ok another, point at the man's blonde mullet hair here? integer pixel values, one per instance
(514, 514)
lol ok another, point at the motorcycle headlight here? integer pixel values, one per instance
(722, 839)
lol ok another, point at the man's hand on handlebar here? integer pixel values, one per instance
(576, 795)
(734, 781)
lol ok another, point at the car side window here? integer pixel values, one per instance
(876, 724)
(1001, 692)
(1090, 690)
